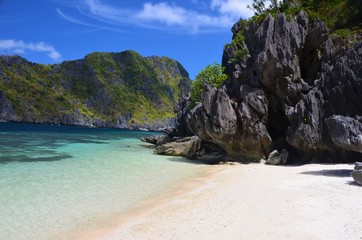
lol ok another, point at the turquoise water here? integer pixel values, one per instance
(56, 179)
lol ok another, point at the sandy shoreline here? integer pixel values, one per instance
(253, 201)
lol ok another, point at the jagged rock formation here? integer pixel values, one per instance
(285, 95)
(121, 90)
(220, 120)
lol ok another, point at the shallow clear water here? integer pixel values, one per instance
(54, 179)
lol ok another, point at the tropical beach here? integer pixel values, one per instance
(252, 201)
(220, 119)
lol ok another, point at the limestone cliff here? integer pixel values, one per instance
(294, 92)
(123, 90)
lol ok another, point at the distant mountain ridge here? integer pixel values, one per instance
(122, 90)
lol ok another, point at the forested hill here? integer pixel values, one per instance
(122, 90)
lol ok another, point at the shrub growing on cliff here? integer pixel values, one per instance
(238, 42)
(211, 74)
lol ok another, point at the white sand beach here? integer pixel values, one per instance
(254, 201)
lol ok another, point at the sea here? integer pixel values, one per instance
(55, 180)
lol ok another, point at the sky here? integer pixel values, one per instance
(192, 32)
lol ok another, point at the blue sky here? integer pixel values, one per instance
(192, 32)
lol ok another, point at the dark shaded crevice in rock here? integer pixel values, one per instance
(182, 109)
(210, 152)
(228, 54)
(313, 51)
(278, 122)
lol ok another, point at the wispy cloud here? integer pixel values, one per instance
(20, 47)
(78, 21)
(221, 14)
(71, 19)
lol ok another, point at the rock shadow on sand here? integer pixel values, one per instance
(197, 162)
(343, 173)
(353, 183)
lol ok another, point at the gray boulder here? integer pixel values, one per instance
(156, 139)
(345, 132)
(358, 166)
(276, 158)
(184, 147)
(357, 173)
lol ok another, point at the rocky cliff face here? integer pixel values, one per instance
(294, 92)
(122, 90)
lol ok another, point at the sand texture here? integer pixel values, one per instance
(256, 201)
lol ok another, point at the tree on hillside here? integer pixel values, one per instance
(258, 6)
(211, 74)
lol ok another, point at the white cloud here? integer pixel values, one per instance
(236, 8)
(164, 13)
(181, 18)
(21, 47)
(220, 15)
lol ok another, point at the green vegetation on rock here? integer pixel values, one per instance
(342, 17)
(103, 89)
(212, 75)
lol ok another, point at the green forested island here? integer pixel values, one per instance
(123, 90)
